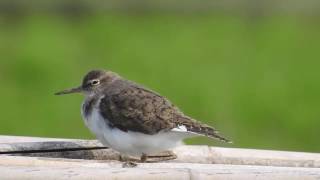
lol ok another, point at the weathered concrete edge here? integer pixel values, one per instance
(205, 154)
(49, 168)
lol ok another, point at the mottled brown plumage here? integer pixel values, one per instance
(131, 107)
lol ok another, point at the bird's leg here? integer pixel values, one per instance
(143, 158)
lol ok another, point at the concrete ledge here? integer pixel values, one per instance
(113, 170)
(78, 159)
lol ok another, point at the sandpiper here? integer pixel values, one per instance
(132, 119)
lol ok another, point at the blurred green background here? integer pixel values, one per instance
(251, 73)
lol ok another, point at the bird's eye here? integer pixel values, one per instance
(95, 82)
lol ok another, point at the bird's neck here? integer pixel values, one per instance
(89, 104)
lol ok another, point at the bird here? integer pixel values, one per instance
(132, 119)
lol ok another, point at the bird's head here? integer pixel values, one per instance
(93, 82)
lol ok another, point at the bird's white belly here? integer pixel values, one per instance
(131, 143)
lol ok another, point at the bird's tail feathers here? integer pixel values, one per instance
(202, 129)
(215, 134)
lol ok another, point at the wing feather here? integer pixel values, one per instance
(137, 109)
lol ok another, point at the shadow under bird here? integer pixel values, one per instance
(132, 119)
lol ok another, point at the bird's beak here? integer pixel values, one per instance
(69, 91)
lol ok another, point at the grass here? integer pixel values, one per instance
(256, 80)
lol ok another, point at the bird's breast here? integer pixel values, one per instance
(92, 117)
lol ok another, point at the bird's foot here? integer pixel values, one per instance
(128, 161)
(129, 164)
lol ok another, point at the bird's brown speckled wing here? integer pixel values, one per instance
(135, 108)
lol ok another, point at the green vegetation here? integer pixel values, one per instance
(257, 80)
